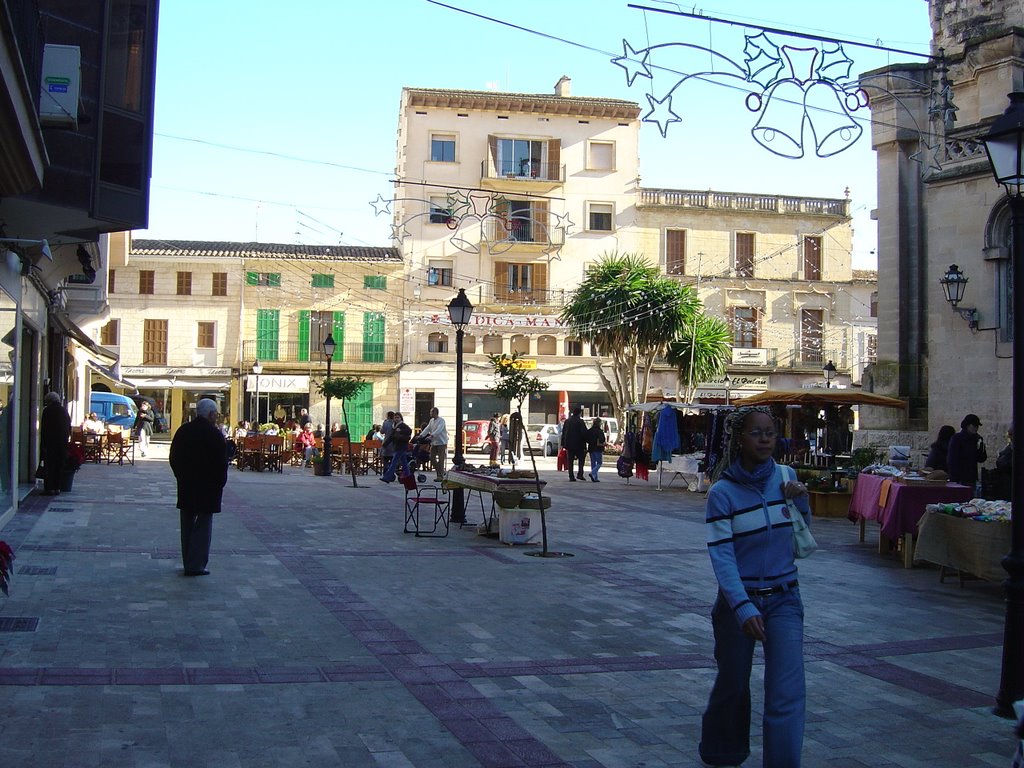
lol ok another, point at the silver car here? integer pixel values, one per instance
(544, 438)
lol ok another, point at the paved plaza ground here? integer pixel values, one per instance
(324, 636)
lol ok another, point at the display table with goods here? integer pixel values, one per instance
(897, 501)
(508, 490)
(828, 493)
(970, 538)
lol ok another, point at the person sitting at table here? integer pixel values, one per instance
(241, 430)
(306, 443)
(93, 425)
(339, 430)
(374, 433)
(966, 451)
(939, 450)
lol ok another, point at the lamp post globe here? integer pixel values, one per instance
(328, 346)
(257, 369)
(1004, 145)
(460, 311)
(829, 372)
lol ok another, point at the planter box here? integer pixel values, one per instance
(67, 480)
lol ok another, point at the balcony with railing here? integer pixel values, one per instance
(521, 174)
(359, 356)
(542, 297)
(742, 201)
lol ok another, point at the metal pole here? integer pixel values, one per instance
(256, 417)
(327, 418)
(1011, 679)
(458, 513)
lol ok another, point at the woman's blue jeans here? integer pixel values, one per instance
(725, 730)
(596, 460)
(399, 460)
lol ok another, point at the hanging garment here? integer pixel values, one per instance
(666, 438)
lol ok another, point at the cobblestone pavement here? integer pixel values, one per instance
(324, 636)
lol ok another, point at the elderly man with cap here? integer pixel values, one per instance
(966, 451)
(199, 461)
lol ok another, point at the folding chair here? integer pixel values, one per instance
(426, 499)
(120, 448)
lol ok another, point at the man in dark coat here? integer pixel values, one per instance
(54, 433)
(574, 440)
(966, 451)
(200, 465)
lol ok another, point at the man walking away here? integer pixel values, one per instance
(574, 440)
(200, 465)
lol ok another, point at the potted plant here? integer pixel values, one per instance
(319, 463)
(342, 388)
(72, 463)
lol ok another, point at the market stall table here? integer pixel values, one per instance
(898, 507)
(488, 484)
(966, 545)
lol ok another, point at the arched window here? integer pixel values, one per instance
(520, 344)
(573, 348)
(492, 344)
(547, 345)
(437, 342)
(997, 251)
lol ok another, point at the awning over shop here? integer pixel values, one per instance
(182, 382)
(821, 397)
(113, 373)
(82, 338)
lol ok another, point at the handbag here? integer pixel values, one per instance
(803, 542)
(563, 459)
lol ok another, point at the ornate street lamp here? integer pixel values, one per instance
(328, 347)
(728, 386)
(460, 310)
(829, 372)
(1005, 147)
(257, 368)
(954, 283)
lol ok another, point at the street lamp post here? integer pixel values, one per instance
(829, 372)
(1005, 147)
(328, 347)
(257, 368)
(728, 386)
(460, 310)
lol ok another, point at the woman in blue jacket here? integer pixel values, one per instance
(750, 540)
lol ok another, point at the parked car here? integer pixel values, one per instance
(611, 429)
(544, 438)
(113, 409)
(474, 436)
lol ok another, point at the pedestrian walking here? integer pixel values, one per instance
(143, 427)
(199, 461)
(54, 433)
(493, 439)
(595, 447)
(574, 440)
(750, 541)
(398, 441)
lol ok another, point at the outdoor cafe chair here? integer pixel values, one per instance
(119, 447)
(425, 502)
(250, 453)
(273, 453)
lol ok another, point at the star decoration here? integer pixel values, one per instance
(661, 113)
(563, 221)
(633, 67)
(380, 205)
(928, 156)
(399, 232)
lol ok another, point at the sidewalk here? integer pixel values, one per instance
(326, 637)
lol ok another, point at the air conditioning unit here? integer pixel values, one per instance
(60, 86)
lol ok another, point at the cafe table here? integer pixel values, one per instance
(897, 507)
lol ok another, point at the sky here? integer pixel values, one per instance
(276, 122)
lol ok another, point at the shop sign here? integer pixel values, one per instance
(149, 370)
(745, 356)
(481, 320)
(277, 383)
(755, 383)
(523, 364)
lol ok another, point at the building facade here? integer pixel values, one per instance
(76, 128)
(509, 196)
(192, 319)
(938, 205)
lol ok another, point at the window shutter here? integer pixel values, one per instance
(501, 286)
(274, 280)
(540, 283)
(492, 146)
(757, 327)
(252, 278)
(338, 321)
(303, 351)
(554, 159)
(541, 218)
(675, 251)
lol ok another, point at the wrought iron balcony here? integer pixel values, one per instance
(349, 355)
(523, 171)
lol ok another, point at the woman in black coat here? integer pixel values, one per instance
(54, 433)
(939, 449)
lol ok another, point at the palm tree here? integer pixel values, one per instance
(700, 353)
(630, 313)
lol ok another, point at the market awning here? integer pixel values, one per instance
(198, 383)
(112, 373)
(821, 397)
